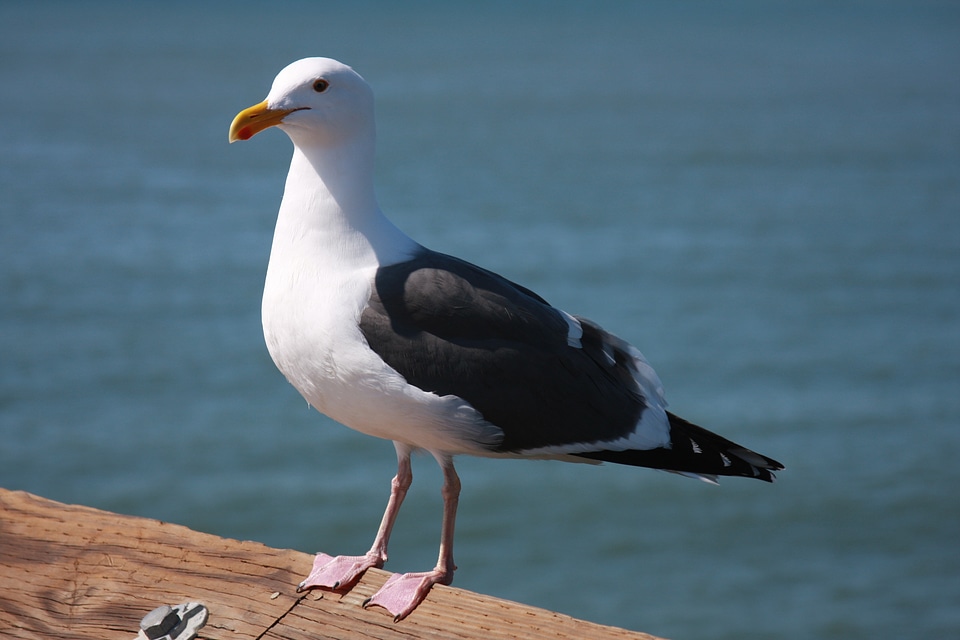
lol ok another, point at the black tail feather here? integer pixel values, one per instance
(696, 451)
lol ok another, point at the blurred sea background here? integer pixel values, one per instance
(764, 197)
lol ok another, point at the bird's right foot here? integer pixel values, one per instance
(339, 572)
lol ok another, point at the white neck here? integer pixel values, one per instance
(329, 214)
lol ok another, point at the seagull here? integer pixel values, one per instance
(403, 343)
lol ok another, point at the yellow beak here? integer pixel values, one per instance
(255, 119)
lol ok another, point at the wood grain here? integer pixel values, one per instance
(69, 571)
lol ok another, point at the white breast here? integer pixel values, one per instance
(317, 285)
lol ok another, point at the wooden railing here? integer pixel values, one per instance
(70, 571)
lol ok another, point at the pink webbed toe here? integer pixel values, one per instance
(402, 593)
(338, 572)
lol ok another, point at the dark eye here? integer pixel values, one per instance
(320, 85)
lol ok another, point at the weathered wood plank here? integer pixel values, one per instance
(69, 571)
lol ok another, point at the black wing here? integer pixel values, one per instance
(452, 328)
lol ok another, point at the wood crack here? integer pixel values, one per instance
(280, 618)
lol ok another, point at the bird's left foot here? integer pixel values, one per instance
(402, 593)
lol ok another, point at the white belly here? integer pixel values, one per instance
(311, 327)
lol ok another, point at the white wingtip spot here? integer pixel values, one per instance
(609, 355)
(709, 478)
(750, 457)
(575, 330)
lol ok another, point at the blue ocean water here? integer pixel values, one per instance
(764, 197)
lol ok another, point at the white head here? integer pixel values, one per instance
(318, 102)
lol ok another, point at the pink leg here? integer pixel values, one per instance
(401, 594)
(343, 571)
